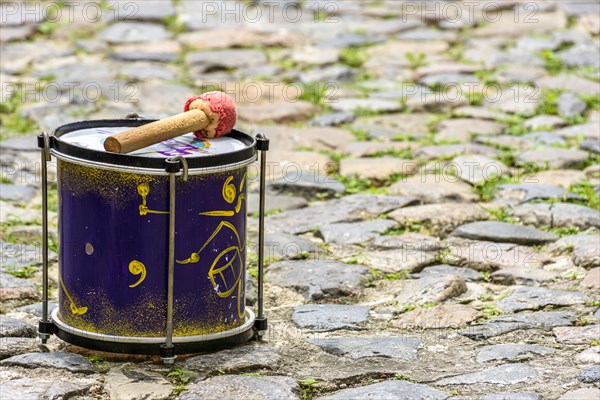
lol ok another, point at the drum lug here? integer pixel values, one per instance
(262, 144)
(167, 354)
(45, 328)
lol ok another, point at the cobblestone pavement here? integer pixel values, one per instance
(441, 240)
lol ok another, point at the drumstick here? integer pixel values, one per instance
(210, 115)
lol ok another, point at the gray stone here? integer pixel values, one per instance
(335, 73)
(522, 276)
(475, 169)
(588, 130)
(442, 316)
(377, 168)
(333, 119)
(544, 122)
(12, 346)
(131, 32)
(163, 51)
(432, 152)
(36, 308)
(545, 320)
(236, 360)
(360, 347)
(533, 298)
(479, 112)
(508, 374)
(524, 192)
(553, 158)
(280, 111)
(329, 317)
(239, 387)
(590, 145)
(463, 129)
(349, 39)
(448, 79)
(290, 247)
(582, 55)
(427, 34)
(432, 188)
(544, 138)
(396, 260)
(579, 8)
(308, 186)
(407, 241)
(135, 384)
(355, 233)
(490, 256)
(577, 334)
(209, 61)
(274, 203)
(391, 389)
(590, 375)
(440, 219)
(375, 105)
(318, 279)
(581, 394)
(155, 11)
(557, 215)
(512, 396)
(375, 148)
(583, 248)
(13, 192)
(315, 55)
(27, 143)
(504, 232)
(10, 327)
(570, 105)
(589, 356)
(44, 388)
(13, 288)
(511, 352)
(14, 256)
(59, 360)
(430, 290)
(442, 271)
(347, 209)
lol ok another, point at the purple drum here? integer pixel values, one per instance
(114, 240)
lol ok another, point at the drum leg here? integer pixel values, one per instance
(167, 350)
(262, 143)
(45, 327)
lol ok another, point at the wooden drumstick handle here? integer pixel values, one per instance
(156, 132)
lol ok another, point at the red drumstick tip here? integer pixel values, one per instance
(219, 108)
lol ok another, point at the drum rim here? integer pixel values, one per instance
(158, 164)
(153, 340)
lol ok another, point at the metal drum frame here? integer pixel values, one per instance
(168, 346)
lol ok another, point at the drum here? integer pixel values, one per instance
(114, 215)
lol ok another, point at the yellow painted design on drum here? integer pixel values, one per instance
(229, 195)
(137, 268)
(74, 309)
(217, 271)
(144, 190)
(81, 179)
(195, 257)
(146, 318)
(229, 192)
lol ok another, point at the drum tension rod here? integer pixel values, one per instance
(260, 324)
(45, 327)
(173, 167)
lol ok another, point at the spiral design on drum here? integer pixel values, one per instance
(137, 268)
(229, 190)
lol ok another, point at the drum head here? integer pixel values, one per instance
(85, 141)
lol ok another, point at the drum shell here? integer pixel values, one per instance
(113, 251)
